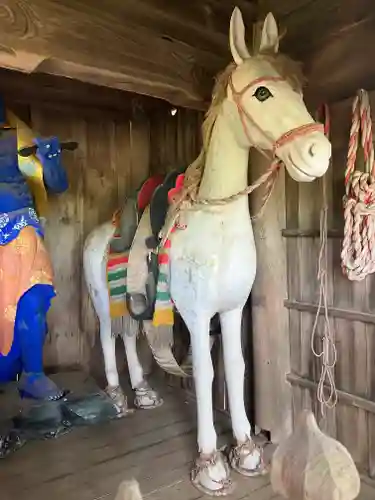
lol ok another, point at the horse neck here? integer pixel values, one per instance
(226, 168)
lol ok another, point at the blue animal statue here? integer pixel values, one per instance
(26, 278)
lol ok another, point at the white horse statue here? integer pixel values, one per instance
(257, 102)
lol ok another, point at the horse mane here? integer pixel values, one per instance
(195, 170)
(286, 67)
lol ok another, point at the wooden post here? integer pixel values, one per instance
(273, 403)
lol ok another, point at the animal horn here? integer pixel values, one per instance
(69, 146)
(28, 151)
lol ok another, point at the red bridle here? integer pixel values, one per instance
(243, 113)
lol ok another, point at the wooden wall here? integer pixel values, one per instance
(117, 150)
(352, 306)
(335, 41)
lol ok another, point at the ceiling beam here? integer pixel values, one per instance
(165, 49)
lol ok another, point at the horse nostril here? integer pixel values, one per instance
(312, 150)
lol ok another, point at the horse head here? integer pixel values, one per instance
(265, 102)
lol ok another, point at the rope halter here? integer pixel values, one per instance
(244, 114)
(188, 197)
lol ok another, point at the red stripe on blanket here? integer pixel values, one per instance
(163, 258)
(115, 261)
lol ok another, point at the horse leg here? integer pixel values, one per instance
(211, 473)
(246, 457)
(108, 343)
(30, 330)
(145, 397)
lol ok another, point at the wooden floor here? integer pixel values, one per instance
(156, 447)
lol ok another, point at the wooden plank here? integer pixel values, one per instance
(160, 51)
(294, 288)
(333, 312)
(371, 378)
(351, 337)
(308, 252)
(330, 423)
(155, 447)
(270, 339)
(330, 78)
(64, 93)
(325, 35)
(347, 398)
(63, 345)
(310, 233)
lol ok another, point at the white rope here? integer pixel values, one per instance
(328, 353)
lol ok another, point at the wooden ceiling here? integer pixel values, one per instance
(172, 49)
(335, 39)
(162, 48)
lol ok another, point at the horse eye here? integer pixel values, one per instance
(262, 94)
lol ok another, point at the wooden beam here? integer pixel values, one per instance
(150, 47)
(50, 90)
(310, 233)
(333, 312)
(64, 93)
(343, 397)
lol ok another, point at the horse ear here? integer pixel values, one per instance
(237, 37)
(27, 151)
(270, 35)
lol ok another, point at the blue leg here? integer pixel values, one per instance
(11, 365)
(30, 330)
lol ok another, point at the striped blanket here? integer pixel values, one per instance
(116, 271)
(163, 314)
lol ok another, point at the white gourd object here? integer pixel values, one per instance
(309, 465)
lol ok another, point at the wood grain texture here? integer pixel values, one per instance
(62, 93)
(334, 39)
(352, 306)
(157, 448)
(150, 47)
(114, 156)
(270, 331)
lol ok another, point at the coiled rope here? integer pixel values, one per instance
(358, 248)
(328, 354)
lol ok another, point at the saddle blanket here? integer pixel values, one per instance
(117, 263)
(116, 270)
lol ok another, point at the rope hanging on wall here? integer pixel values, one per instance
(328, 353)
(358, 249)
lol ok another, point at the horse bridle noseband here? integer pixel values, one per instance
(244, 114)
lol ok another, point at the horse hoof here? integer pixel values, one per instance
(211, 475)
(146, 398)
(247, 459)
(119, 400)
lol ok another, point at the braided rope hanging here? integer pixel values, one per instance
(358, 249)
